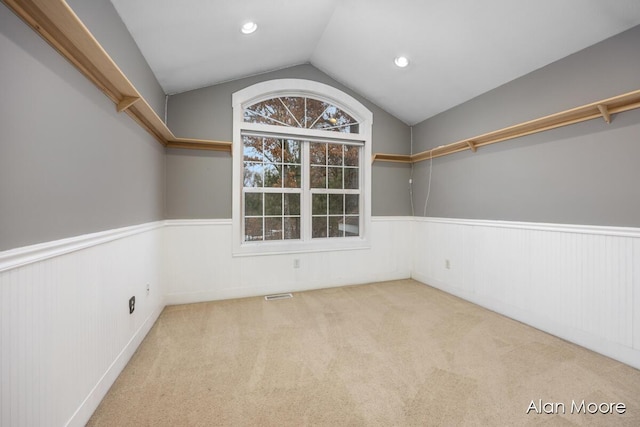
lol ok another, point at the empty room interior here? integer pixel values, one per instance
(319, 212)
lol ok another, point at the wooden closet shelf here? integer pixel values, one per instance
(600, 109)
(200, 144)
(397, 158)
(58, 24)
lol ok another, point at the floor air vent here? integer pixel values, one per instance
(277, 296)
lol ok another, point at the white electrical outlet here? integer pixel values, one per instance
(148, 288)
(296, 263)
(447, 264)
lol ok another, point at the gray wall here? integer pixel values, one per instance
(101, 18)
(199, 183)
(69, 164)
(586, 173)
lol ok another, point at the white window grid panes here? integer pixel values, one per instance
(271, 188)
(303, 110)
(264, 216)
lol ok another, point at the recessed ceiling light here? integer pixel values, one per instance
(401, 61)
(249, 27)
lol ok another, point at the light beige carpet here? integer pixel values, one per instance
(386, 354)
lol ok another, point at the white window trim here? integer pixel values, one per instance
(298, 87)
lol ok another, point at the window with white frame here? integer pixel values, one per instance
(302, 154)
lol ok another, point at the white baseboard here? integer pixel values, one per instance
(89, 405)
(598, 344)
(177, 298)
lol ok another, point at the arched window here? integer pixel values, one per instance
(301, 112)
(302, 155)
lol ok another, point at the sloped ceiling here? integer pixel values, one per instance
(458, 49)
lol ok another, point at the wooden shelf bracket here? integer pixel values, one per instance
(605, 112)
(472, 146)
(126, 102)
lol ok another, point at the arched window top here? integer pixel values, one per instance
(301, 112)
(303, 107)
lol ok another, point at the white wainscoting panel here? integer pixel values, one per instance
(579, 283)
(66, 332)
(636, 294)
(199, 265)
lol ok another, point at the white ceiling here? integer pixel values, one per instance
(458, 48)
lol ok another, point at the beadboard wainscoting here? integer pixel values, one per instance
(199, 265)
(66, 332)
(580, 283)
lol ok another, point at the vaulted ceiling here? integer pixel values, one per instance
(457, 49)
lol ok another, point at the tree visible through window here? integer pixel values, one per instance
(301, 112)
(279, 172)
(272, 188)
(301, 168)
(335, 189)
